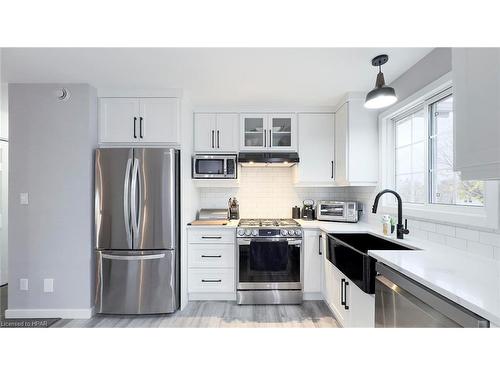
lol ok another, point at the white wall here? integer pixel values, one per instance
(266, 192)
(51, 158)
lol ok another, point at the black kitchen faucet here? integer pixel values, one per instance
(400, 230)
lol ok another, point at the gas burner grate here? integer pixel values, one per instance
(268, 223)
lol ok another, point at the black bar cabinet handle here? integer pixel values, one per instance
(140, 127)
(270, 141)
(211, 281)
(211, 256)
(135, 120)
(218, 144)
(332, 168)
(211, 237)
(342, 283)
(265, 138)
(346, 284)
(319, 243)
(213, 132)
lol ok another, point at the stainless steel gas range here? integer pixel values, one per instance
(270, 262)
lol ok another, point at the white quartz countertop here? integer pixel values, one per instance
(470, 280)
(232, 224)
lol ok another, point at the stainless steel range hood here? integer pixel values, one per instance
(270, 159)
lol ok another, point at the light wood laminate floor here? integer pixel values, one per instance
(211, 314)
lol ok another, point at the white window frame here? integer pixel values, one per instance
(486, 216)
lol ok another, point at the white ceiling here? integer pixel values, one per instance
(215, 76)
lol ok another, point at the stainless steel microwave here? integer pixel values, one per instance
(215, 166)
(338, 211)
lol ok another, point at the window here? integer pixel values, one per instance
(410, 156)
(423, 170)
(446, 185)
(416, 144)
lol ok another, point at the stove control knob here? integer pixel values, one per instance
(284, 232)
(255, 232)
(248, 232)
(241, 232)
(298, 232)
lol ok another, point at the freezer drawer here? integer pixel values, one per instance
(137, 282)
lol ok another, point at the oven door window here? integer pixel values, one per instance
(210, 166)
(269, 262)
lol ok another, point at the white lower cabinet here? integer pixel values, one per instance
(312, 252)
(211, 280)
(211, 263)
(351, 306)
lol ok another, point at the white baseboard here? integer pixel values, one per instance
(312, 296)
(212, 297)
(49, 313)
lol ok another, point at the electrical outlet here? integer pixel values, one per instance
(23, 284)
(48, 285)
(24, 198)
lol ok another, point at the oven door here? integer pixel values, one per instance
(334, 211)
(270, 263)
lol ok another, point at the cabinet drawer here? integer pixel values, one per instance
(211, 280)
(211, 255)
(211, 236)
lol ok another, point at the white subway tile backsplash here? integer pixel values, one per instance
(422, 234)
(429, 227)
(490, 238)
(480, 249)
(446, 230)
(436, 237)
(467, 234)
(458, 243)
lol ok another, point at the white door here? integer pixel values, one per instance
(159, 120)
(341, 296)
(204, 132)
(118, 120)
(227, 131)
(312, 261)
(254, 135)
(341, 146)
(361, 308)
(316, 140)
(282, 132)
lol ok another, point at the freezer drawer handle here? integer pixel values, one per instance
(211, 281)
(211, 256)
(211, 237)
(133, 257)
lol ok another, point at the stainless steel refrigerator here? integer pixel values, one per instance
(137, 230)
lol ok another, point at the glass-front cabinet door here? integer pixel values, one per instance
(254, 131)
(273, 132)
(282, 131)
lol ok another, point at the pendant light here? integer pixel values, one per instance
(381, 96)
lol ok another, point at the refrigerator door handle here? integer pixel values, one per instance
(133, 199)
(133, 257)
(126, 201)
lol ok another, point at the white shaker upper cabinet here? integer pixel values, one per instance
(316, 149)
(216, 132)
(118, 120)
(139, 120)
(204, 132)
(356, 143)
(159, 120)
(476, 108)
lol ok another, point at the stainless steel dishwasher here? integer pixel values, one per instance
(402, 302)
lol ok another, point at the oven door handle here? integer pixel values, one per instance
(244, 241)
